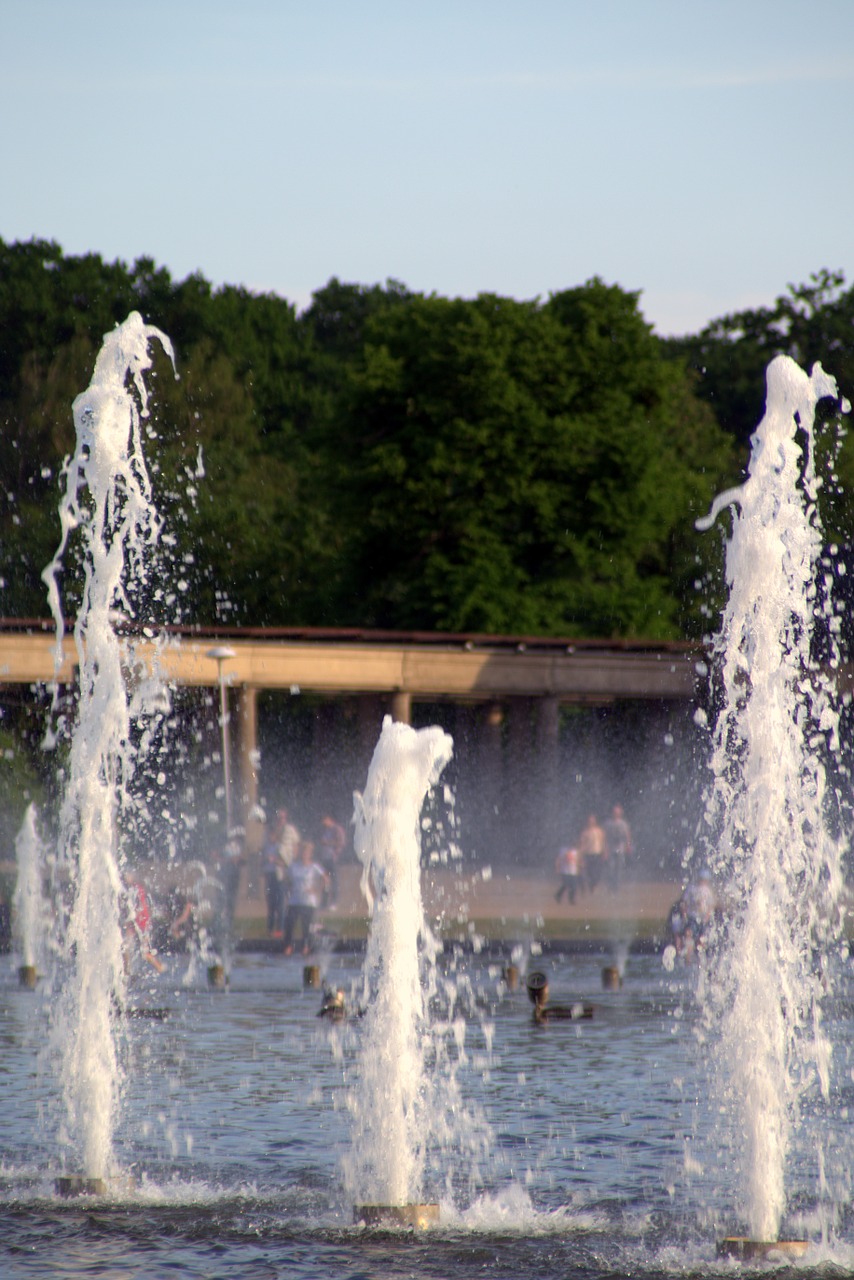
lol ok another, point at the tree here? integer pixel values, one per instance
(810, 322)
(244, 398)
(339, 314)
(521, 467)
(383, 459)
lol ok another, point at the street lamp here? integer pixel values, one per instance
(222, 653)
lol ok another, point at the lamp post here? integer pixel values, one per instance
(222, 653)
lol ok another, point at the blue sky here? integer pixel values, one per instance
(699, 151)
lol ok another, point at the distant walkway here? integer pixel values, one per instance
(514, 901)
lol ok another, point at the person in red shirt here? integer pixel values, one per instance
(138, 925)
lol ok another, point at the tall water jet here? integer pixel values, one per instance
(107, 506)
(391, 1123)
(768, 836)
(28, 900)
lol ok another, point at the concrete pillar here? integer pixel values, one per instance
(489, 786)
(520, 783)
(547, 786)
(548, 721)
(248, 760)
(401, 706)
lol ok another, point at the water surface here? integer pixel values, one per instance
(605, 1157)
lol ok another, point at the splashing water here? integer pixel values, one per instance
(390, 1127)
(108, 505)
(769, 841)
(28, 902)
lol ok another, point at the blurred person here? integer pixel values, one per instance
(618, 838)
(332, 842)
(701, 903)
(568, 867)
(183, 927)
(137, 926)
(681, 935)
(593, 849)
(289, 839)
(229, 864)
(307, 881)
(275, 870)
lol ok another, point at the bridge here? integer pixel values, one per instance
(502, 695)
(512, 685)
(403, 666)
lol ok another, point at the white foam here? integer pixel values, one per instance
(769, 845)
(389, 1125)
(108, 507)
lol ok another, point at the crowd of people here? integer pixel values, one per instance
(601, 852)
(300, 876)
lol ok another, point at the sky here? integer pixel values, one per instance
(696, 151)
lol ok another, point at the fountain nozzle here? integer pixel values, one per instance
(416, 1216)
(538, 989)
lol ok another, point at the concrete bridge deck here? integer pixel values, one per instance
(510, 688)
(419, 665)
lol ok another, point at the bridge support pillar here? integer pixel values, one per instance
(519, 794)
(547, 730)
(247, 771)
(401, 706)
(489, 763)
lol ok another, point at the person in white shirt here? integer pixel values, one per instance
(568, 867)
(307, 881)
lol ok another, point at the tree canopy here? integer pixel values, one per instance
(811, 322)
(537, 465)
(392, 459)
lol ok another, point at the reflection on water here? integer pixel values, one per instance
(606, 1157)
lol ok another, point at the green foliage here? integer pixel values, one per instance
(384, 459)
(538, 466)
(812, 322)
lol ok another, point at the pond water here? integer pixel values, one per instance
(603, 1156)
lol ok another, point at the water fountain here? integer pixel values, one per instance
(390, 1130)
(107, 510)
(767, 837)
(28, 901)
(232, 1121)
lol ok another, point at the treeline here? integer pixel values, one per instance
(394, 460)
